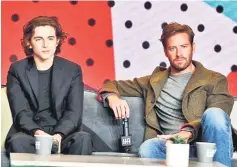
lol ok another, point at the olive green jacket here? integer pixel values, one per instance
(204, 90)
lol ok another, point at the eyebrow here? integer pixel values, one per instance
(42, 37)
(179, 45)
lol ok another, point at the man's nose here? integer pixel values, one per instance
(179, 52)
(45, 44)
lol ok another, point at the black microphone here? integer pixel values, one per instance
(126, 138)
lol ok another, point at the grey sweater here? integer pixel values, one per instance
(169, 104)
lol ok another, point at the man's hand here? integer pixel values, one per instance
(40, 132)
(58, 138)
(120, 107)
(183, 134)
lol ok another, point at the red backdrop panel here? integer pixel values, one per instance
(90, 41)
(232, 83)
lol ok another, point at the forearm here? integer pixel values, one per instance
(135, 87)
(105, 98)
(191, 131)
(22, 113)
(65, 126)
(192, 127)
(25, 122)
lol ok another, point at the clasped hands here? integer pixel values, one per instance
(56, 138)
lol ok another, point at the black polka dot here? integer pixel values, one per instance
(219, 9)
(111, 3)
(72, 41)
(163, 64)
(13, 58)
(235, 29)
(73, 2)
(217, 48)
(89, 62)
(35, 1)
(109, 43)
(15, 17)
(145, 45)
(91, 22)
(147, 5)
(184, 7)
(128, 24)
(200, 27)
(126, 63)
(106, 80)
(234, 68)
(163, 25)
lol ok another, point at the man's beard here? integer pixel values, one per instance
(182, 66)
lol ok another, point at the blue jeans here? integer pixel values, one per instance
(216, 128)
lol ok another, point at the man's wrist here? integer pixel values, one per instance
(187, 133)
(58, 133)
(111, 96)
(33, 131)
(37, 131)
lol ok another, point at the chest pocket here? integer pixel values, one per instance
(197, 102)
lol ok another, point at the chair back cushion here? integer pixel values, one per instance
(101, 121)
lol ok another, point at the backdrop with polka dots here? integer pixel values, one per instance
(137, 27)
(120, 39)
(89, 29)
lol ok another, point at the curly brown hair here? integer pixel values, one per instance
(29, 28)
(174, 28)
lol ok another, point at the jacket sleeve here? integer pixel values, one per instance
(19, 105)
(193, 128)
(104, 96)
(132, 88)
(72, 116)
(218, 97)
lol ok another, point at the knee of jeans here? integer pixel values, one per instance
(216, 118)
(145, 150)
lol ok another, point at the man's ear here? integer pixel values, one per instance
(57, 42)
(29, 45)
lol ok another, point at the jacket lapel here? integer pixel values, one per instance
(197, 79)
(32, 75)
(158, 81)
(57, 79)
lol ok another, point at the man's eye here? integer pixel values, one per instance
(171, 49)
